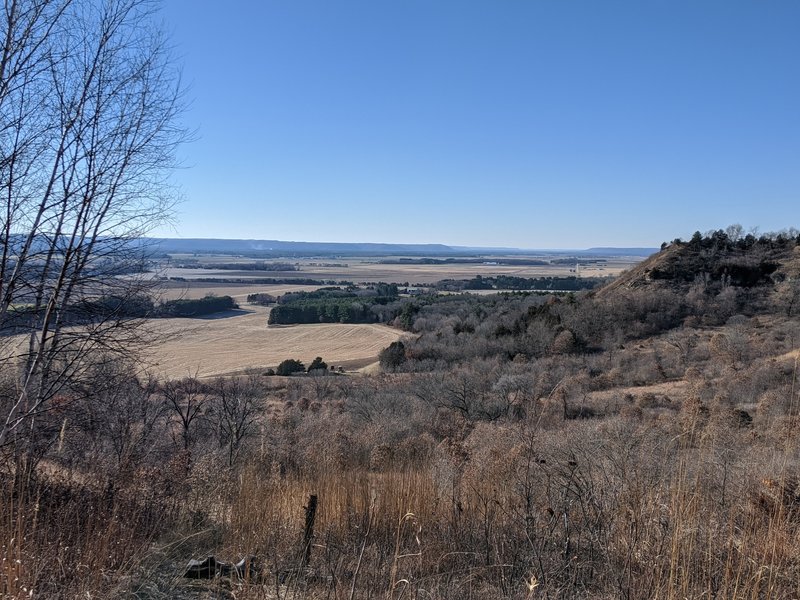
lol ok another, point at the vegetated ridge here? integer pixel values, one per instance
(717, 259)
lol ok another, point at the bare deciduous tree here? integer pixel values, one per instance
(787, 296)
(89, 100)
(187, 401)
(237, 403)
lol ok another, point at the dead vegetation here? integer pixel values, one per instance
(652, 451)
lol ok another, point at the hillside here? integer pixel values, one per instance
(717, 261)
(638, 442)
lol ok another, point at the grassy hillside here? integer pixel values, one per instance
(641, 441)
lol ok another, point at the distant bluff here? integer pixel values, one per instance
(718, 260)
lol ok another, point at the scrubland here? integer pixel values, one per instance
(636, 442)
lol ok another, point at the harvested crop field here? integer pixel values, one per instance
(172, 290)
(361, 270)
(240, 340)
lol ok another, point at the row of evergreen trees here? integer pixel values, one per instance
(332, 305)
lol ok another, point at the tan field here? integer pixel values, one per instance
(360, 270)
(240, 340)
(172, 290)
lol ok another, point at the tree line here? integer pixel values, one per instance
(569, 283)
(334, 305)
(239, 266)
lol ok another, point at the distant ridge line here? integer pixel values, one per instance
(280, 247)
(622, 251)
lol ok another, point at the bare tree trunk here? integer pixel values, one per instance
(89, 99)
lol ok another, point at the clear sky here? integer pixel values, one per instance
(536, 124)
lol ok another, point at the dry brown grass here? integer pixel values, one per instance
(687, 506)
(61, 539)
(585, 519)
(665, 493)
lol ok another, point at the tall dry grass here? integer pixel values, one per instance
(417, 502)
(621, 508)
(63, 539)
(691, 509)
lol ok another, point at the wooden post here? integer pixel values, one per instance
(308, 533)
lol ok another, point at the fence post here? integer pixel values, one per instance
(308, 533)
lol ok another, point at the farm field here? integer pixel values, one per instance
(236, 341)
(360, 270)
(190, 290)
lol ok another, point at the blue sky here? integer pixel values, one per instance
(537, 124)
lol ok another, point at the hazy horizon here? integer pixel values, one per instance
(400, 243)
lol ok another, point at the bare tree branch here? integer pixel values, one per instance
(89, 102)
